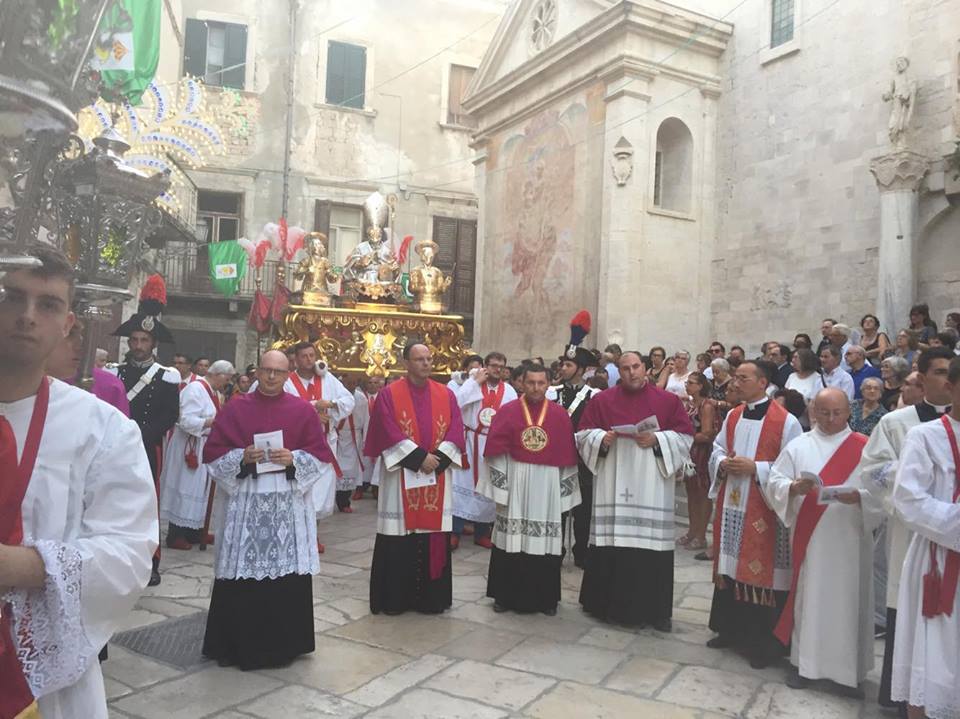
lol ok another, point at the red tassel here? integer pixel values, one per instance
(931, 586)
(154, 289)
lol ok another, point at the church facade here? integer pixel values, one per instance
(734, 169)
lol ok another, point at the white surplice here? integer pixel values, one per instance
(370, 471)
(90, 510)
(833, 606)
(530, 499)
(739, 486)
(468, 503)
(926, 654)
(264, 528)
(390, 519)
(349, 446)
(183, 498)
(633, 489)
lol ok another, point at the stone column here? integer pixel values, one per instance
(898, 177)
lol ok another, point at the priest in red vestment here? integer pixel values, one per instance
(261, 609)
(531, 474)
(416, 433)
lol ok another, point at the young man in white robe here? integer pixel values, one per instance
(877, 471)
(350, 433)
(480, 397)
(634, 437)
(751, 547)
(369, 389)
(184, 484)
(78, 510)
(828, 619)
(926, 495)
(531, 474)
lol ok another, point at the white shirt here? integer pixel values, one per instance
(840, 379)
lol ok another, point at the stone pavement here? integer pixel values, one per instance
(468, 662)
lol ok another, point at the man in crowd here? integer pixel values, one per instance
(840, 338)
(751, 546)
(370, 388)
(184, 366)
(926, 496)
(76, 535)
(611, 356)
(737, 354)
(480, 398)
(716, 351)
(878, 469)
(912, 391)
(350, 432)
(531, 474)
(64, 364)
(416, 433)
(779, 355)
(184, 483)
(201, 365)
(833, 374)
(573, 394)
(634, 438)
(100, 358)
(828, 619)
(152, 389)
(860, 369)
(261, 608)
(825, 328)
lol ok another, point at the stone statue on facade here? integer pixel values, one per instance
(314, 271)
(371, 272)
(428, 283)
(903, 96)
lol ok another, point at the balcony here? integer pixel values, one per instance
(186, 270)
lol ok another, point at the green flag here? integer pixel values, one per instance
(228, 265)
(127, 49)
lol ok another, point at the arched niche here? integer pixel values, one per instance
(673, 167)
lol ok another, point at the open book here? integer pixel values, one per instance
(649, 424)
(825, 495)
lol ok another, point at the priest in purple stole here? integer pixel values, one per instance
(532, 475)
(415, 434)
(635, 438)
(261, 609)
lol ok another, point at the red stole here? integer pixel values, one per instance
(492, 399)
(758, 547)
(939, 593)
(213, 395)
(16, 699)
(834, 473)
(422, 506)
(312, 393)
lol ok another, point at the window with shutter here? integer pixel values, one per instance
(234, 56)
(216, 52)
(781, 22)
(195, 48)
(457, 240)
(346, 74)
(460, 77)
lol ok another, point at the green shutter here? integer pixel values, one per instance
(335, 73)
(356, 70)
(195, 48)
(235, 56)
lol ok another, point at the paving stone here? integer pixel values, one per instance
(538, 624)
(383, 688)
(608, 638)
(135, 670)
(691, 616)
(426, 704)
(505, 688)
(701, 604)
(114, 689)
(297, 701)
(175, 586)
(197, 694)
(641, 675)
(484, 644)
(332, 569)
(166, 607)
(777, 701)
(410, 633)
(338, 665)
(350, 607)
(139, 618)
(565, 661)
(576, 701)
(469, 588)
(711, 689)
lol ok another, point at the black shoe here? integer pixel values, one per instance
(666, 626)
(500, 609)
(155, 578)
(761, 660)
(393, 612)
(702, 557)
(549, 612)
(719, 642)
(794, 680)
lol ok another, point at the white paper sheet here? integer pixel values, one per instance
(828, 495)
(649, 424)
(413, 480)
(267, 441)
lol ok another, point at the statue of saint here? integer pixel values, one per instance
(427, 282)
(903, 95)
(314, 271)
(371, 272)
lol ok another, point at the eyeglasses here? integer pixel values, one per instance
(272, 372)
(828, 413)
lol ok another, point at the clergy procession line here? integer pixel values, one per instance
(793, 535)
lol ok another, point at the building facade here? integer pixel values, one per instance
(374, 104)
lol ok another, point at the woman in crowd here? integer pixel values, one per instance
(922, 325)
(658, 357)
(806, 379)
(703, 361)
(802, 341)
(792, 401)
(907, 345)
(875, 343)
(720, 385)
(676, 381)
(893, 372)
(866, 413)
(703, 414)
